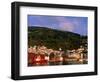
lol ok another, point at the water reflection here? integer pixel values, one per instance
(40, 61)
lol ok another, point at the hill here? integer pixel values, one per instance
(55, 39)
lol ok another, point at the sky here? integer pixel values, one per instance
(65, 23)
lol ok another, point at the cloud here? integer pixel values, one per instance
(66, 26)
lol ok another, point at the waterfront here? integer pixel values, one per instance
(42, 56)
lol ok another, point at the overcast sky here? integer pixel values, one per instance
(67, 23)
